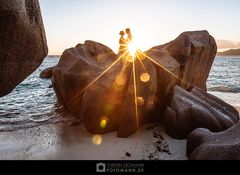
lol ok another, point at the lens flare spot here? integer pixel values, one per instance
(103, 123)
(85, 73)
(121, 79)
(131, 59)
(101, 58)
(145, 77)
(151, 100)
(140, 56)
(116, 87)
(108, 109)
(150, 106)
(97, 140)
(140, 101)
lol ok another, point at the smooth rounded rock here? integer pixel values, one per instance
(185, 61)
(203, 144)
(95, 85)
(47, 73)
(23, 43)
(197, 109)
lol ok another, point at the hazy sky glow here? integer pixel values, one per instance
(153, 22)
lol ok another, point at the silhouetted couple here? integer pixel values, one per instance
(123, 43)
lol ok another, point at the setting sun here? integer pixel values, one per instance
(132, 48)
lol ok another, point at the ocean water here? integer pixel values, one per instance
(33, 103)
(225, 75)
(224, 79)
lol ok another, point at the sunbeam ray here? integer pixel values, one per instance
(123, 49)
(135, 93)
(141, 62)
(165, 69)
(98, 77)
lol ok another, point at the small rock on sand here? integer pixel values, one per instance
(128, 154)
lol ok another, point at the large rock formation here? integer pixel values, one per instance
(189, 59)
(108, 95)
(47, 73)
(22, 42)
(202, 144)
(104, 102)
(197, 109)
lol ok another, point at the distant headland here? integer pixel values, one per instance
(231, 52)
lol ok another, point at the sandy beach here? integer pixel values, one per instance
(63, 142)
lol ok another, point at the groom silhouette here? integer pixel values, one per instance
(129, 38)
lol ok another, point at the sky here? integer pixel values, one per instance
(153, 22)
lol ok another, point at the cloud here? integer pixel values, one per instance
(225, 44)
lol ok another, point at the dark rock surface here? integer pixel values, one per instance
(108, 104)
(77, 68)
(189, 58)
(197, 109)
(23, 43)
(203, 144)
(47, 73)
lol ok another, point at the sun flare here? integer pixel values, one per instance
(129, 53)
(132, 48)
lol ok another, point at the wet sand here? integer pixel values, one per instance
(63, 142)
